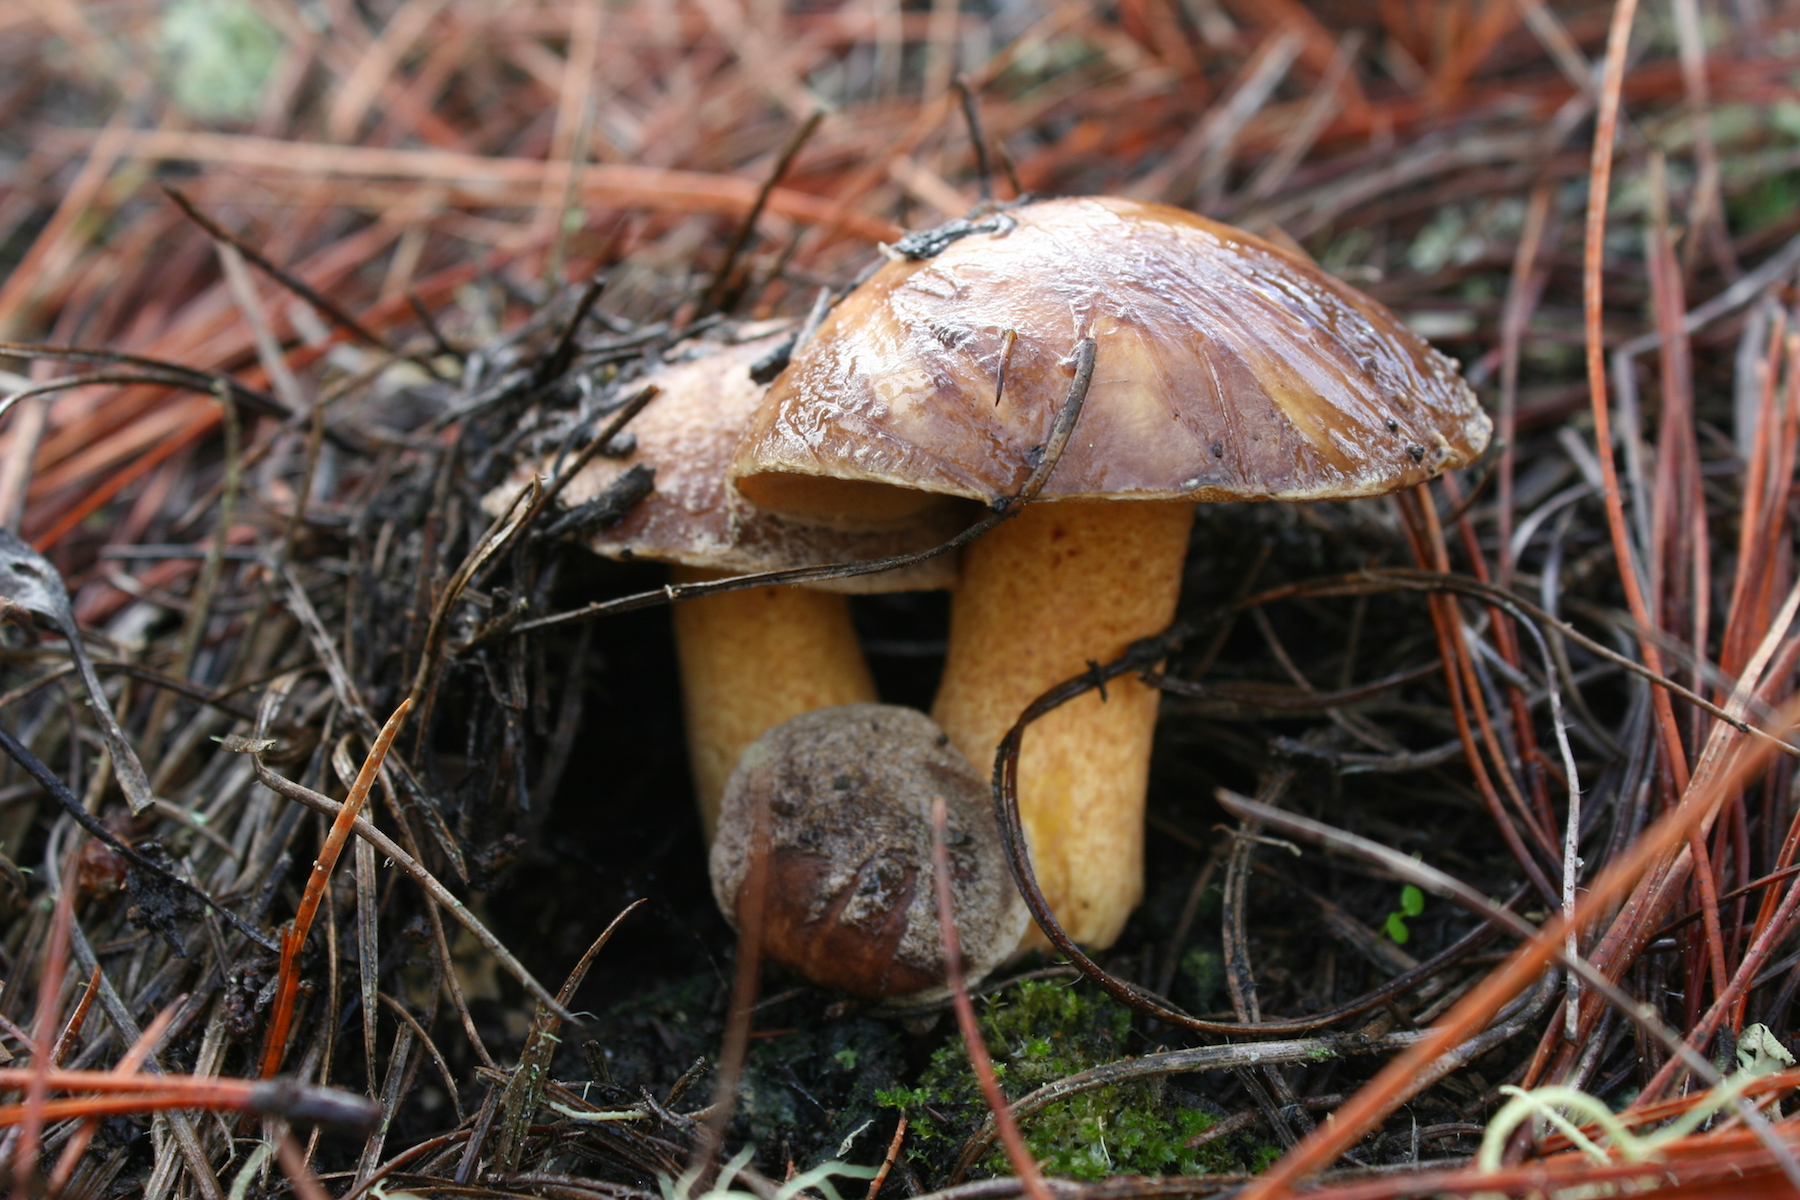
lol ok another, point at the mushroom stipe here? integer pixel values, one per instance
(1055, 573)
(754, 657)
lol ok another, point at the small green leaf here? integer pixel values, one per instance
(1396, 929)
(1412, 900)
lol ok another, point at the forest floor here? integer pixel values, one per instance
(287, 291)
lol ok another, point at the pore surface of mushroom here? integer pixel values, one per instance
(752, 658)
(1226, 369)
(848, 896)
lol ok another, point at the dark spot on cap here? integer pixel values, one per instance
(1393, 425)
(1218, 449)
(943, 739)
(842, 782)
(1417, 452)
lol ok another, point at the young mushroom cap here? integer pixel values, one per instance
(692, 517)
(849, 898)
(751, 658)
(1226, 369)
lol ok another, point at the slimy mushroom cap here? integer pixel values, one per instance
(693, 518)
(1227, 369)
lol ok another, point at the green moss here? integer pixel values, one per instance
(217, 57)
(1768, 201)
(1041, 1032)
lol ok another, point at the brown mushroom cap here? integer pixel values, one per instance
(692, 517)
(1227, 369)
(752, 658)
(849, 899)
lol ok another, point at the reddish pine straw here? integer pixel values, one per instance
(1742, 760)
(1395, 1083)
(295, 940)
(125, 1069)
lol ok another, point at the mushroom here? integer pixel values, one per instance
(849, 898)
(748, 659)
(1227, 369)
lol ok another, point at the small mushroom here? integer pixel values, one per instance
(748, 659)
(849, 894)
(1226, 369)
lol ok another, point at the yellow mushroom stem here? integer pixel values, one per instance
(750, 660)
(1060, 585)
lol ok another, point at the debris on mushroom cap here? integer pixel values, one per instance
(1227, 369)
(691, 516)
(849, 895)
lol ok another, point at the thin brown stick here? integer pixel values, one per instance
(1707, 885)
(200, 602)
(293, 1165)
(525, 1089)
(278, 1097)
(73, 1026)
(1017, 1153)
(1739, 618)
(1391, 579)
(36, 1109)
(1521, 295)
(1592, 299)
(156, 370)
(286, 278)
(714, 295)
(1460, 684)
(433, 887)
(745, 979)
(275, 1046)
(1727, 997)
(601, 183)
(887, 1162)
